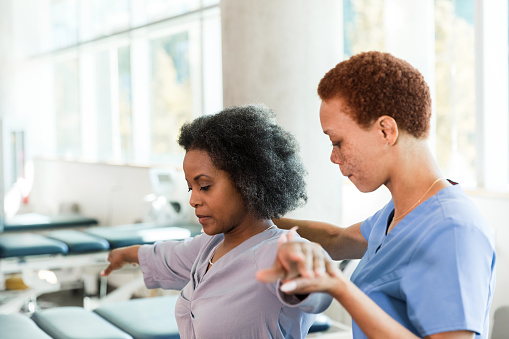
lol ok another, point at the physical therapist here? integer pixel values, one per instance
(428, 258)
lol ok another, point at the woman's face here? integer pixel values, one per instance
(217, 203)
(355, 149)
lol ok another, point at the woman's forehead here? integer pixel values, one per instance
(198, 160)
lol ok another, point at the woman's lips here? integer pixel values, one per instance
(202, 218)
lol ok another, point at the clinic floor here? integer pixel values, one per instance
(61, 298)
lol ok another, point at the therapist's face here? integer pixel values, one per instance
(217, 203)
(354, 148)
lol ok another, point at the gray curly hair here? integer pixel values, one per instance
(260, 157)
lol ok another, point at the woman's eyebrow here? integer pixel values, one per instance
(199, 176)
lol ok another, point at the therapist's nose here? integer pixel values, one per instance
(334, 156)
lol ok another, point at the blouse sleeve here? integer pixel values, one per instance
(449, 280)
(168, 264)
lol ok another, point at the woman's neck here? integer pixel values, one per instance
(244, 231)
(239, 234)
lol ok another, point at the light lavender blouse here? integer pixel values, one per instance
(228, 301)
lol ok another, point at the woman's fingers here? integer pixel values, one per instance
(107, 271)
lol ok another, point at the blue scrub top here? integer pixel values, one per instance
(435, 271)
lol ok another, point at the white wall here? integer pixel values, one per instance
(275, 52)
(113, 194)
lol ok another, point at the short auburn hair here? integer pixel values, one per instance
(374, 84)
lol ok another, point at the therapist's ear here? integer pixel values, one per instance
(388, 129)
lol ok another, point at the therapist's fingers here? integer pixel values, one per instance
(331, 279)
(319, 262)
(306, 265)
(292, 233)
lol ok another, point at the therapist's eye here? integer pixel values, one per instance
(336, 144)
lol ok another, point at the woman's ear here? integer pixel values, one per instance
(388, 129)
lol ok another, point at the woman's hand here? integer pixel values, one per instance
(303, 268)
(120, 257)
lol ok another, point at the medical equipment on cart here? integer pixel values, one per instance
(168, 204)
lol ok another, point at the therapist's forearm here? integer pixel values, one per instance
(371, 319)
(340, 243)
(315, 231)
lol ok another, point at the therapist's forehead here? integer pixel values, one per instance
(335, 115)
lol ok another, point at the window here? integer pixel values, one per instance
(461, 47)
(122, 75)
(455, 89)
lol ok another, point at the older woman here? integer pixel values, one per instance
(242, 170)
(427, 267)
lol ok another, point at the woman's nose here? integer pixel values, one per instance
(194, 199)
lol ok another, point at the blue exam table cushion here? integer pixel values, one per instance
(322, 323)
(138, 234)
(36, 221)
(19, 326)
(147, 318)
(79, 242)
(76, 323)
(20, 245)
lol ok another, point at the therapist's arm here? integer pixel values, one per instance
(304, 269)
(340, 243)
(120, 257)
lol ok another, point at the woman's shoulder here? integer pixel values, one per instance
(266, 249)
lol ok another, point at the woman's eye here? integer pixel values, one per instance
(189, 189)
(205, 188)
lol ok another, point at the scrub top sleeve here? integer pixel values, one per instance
(447, 282)
(168, 264)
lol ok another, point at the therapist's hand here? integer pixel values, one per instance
(120, 257)
(303, 268)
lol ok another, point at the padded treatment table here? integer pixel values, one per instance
(79, 242)
(138, 234)
(19, 326)
(61, 249)
(92, 240)
(322, 323)
(20, 245)
(148, 318)
(39, 222)
(153, 318)
(76, 323)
